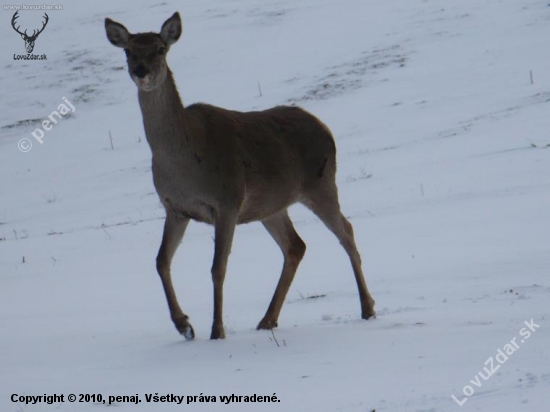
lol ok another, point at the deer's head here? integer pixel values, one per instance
(146, 52)
(29, 40)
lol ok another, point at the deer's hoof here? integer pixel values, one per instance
(218, 332)
(367, 309)
(188, 332)
(368, 313)
(267, 324)
(184, 327)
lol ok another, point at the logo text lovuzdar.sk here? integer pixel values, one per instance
(29, 39)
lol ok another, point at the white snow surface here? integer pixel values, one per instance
(440, 114)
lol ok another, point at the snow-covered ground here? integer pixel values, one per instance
(440, 111)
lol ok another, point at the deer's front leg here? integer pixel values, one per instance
(225, 228)
(174, 228)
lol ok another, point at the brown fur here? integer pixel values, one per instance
(225, 167)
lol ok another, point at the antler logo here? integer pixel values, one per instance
(29, 40)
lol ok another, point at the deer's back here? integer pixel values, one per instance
(266, 141)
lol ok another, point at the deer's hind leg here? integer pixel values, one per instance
(323, 201)
(174, 229)
(293, 247)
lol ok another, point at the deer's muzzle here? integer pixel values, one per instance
(140, 71)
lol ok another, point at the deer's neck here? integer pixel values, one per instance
(163, 118)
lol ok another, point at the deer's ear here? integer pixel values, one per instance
(117, 34)
(171, 29)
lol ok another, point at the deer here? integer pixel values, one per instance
(225, 167)
(29, 40)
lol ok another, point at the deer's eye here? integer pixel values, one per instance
(161, 51)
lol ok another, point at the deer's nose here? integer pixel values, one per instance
(140, 71)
